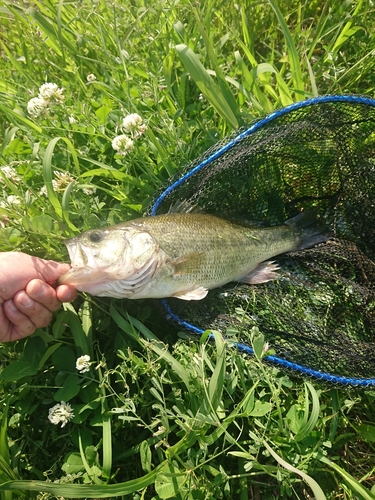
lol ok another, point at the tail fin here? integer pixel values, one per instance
(305, 225)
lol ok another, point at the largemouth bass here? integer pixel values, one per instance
(182, 255)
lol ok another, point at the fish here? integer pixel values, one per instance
(183, 255)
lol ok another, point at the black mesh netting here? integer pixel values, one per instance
(319, 316)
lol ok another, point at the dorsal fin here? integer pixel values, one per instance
(184, 207)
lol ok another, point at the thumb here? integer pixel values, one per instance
(49, 269)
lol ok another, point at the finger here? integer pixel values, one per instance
(37, 313)
(22, 325)
(66, 293)
(5, 325)
(43, 293)
(49, 269)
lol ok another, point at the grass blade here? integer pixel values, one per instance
(206, 84)
(216, 384)
(224, 87)
(353, 484)
(84, 461)
(83, 490)
(61, 209)
(4, 448)
(107, 445)
(15, 117)
(348, 30)
(316, 489)
(310, 423)
(295, 64)
(314, 87)
(76, 329)
(9, 136)
(158, 347)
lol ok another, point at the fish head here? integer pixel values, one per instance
(101, 256)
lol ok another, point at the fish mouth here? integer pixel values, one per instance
(78, 276)
(77, 253)
(82, 271)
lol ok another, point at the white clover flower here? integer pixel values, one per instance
(72, 119)
(122, 144)
(83, 363)
(10, 174)
(141, 130)
(131, 122)
(43, 191)
(13, 200)
(51, 92)
(91, 77)
(89, 190)
(60, 413)
(62, 180)
(37, 106)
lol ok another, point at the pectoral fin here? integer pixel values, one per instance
(266, 271)
(188, 264)
(195, 294)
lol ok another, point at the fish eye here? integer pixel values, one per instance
(95, 237)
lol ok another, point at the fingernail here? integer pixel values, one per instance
(12, 305)
(26, 301)
(39, 290)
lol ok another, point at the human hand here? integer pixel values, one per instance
(27, 295)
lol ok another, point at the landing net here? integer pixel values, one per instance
(319, 316)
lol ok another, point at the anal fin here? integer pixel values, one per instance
(194, 294)
(265, 271)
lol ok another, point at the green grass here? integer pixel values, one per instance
(159, 415)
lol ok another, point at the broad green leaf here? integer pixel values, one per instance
(70, 389)
(41, 224)
(17, 370)
(73, 464)
(260, 409)
(169, 481)
(367, 432)
(258, 345)
(102, 114)
(146, 456)
(64, 359)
